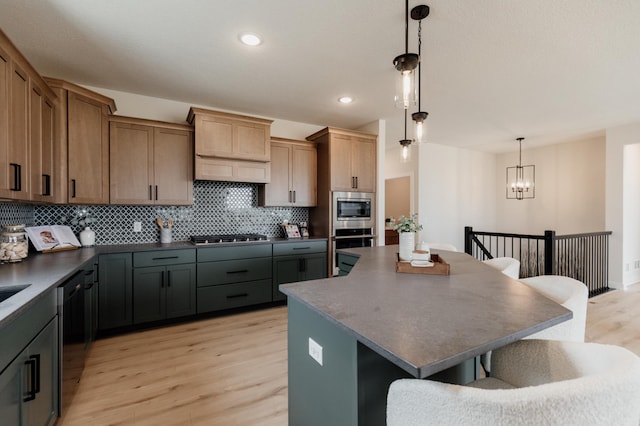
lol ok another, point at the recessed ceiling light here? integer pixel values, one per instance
(250, 39)
(345, 100)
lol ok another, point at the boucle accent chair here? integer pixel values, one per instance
(570, 293)
(507, 265)
(534, 382)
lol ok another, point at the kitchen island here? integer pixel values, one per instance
(350, 337)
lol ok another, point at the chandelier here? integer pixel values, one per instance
(521, 180)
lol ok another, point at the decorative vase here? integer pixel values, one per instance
(87, 237)
(407, 244)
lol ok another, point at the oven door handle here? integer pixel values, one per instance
(353, 237)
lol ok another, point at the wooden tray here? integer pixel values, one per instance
(440, 267)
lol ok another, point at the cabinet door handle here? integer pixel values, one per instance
(156, 192)
(150, 192)
(168, 278)
(73, 188)
(289, 196)
(356, 182)
(30, 394)
(302, 248)
(46, 184)
(235, 296)
(241, 271)
(163, 258)
(294, 196)
(16, 177)
(300, 265)
(37, 381)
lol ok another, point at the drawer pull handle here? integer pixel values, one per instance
(302, 248)
(163, 258)
(235, 296)
(348, 264)
(242, 271)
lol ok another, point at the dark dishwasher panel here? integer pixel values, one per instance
(71, 311)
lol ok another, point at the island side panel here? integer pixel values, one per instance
(324, 394)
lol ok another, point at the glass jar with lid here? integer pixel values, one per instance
(13, 244)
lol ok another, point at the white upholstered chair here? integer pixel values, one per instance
(534, 382)
(507, 265)
(570, 293)
(442, 246)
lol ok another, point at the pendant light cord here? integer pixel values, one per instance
(406, 27)
(419, 63)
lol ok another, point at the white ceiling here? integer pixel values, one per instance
(549, 70)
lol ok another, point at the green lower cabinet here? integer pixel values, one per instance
(346, 262)
(29, 384)
(298, 267)
(161, 292)
(115, 288)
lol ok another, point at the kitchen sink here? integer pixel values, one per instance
(8, 291)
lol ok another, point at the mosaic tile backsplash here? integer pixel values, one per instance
(218, 208)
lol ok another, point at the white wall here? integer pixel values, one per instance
(631, 215)
(617, 207)
(133, 105)
(570, 189)
(456, 190)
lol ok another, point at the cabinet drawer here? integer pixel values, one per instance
(248, 251)
(228, 296)
(163, 257)
(299, 247)
(233, 271)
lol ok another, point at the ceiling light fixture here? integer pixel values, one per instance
(405, 153)
(521, 180)
(406, 64)
(250, 39)
(345, 99)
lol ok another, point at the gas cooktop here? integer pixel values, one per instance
(226, 238)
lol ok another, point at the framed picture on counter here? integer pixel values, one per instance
(291, 230)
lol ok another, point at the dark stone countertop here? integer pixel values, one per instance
(48, 270)
(427, 323)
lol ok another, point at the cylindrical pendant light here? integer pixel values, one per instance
(406, 64)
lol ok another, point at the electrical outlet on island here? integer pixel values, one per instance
(137, 226)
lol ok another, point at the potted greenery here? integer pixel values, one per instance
(82, 219)
(407, 228)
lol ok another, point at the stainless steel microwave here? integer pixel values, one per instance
(353, 210)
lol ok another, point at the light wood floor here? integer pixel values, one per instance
(232, 370)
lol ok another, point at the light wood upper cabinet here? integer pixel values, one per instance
(42, 144)
(349, 159)
(26, 108)
(151, 162)
(231, 147)
(19, 134)
(81, 128)
(5, 75)
(293, 176)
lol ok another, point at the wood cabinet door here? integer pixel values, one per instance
(19, 134)
(304, 181)
(173, 166)
(278, 190)
(214, 136)
(363, 164)
(88, 150)
(5, 76)
(41, 139)
(342, 178)
(251, 141)
(131, 162)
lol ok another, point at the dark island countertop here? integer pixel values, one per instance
(45, 271)
(427, 323)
